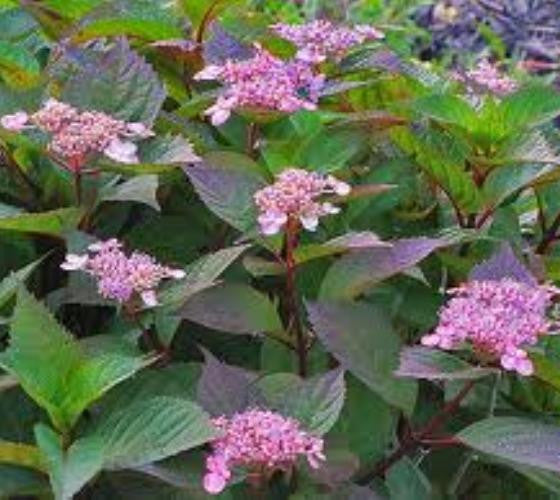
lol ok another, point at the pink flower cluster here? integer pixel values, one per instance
(500, 319)
(263, 82)
(75, 135)
(295, 194)
(487, 76)
(262, 441)
(121, 277)
(318, 40)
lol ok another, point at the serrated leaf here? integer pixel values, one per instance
(357, 271)
(433, 364)
(232, 308)
(54, 370)
(114, 79)
(531, 106)
(523, 441)
(18, 67)
(504, 264)
(315, 402)
(227, 189)
(446, 108)
(224, 389)
(10, 284)
(362, 339)
(141, 189)
(53, 223)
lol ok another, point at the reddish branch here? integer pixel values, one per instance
(419, 438)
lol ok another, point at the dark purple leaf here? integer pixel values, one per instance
(433, 364)
(356, 271)
(224, 389)
(361, 338)
(221, 46)
(503, 264)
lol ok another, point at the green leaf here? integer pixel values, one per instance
(446, 108)
(407, 482)
(201, 275)
(114, 79)
(546, 370)
(70, 470)
(18, 67)
(23, 455)
(10, 284)
(433, 364)
(362, 339)
(17, 481)
(53, 223)
(523, 441)
(55, 370)
(315, 402)
(227, 187)
(233, 308)
(531, 106)
(141, 189)
(357, 271)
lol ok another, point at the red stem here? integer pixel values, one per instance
(413, 440)
(292, 229)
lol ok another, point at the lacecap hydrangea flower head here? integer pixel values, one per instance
(122, 277)
(318, 40)
(297, 194)
(500, 319)
(75, 135)
(261, 442)
(262, 82)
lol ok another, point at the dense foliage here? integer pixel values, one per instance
(256, 249)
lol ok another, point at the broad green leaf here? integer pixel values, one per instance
(446, 108)
(53, 223)
(407, 482)
(361, 338)
(233, 308)
(531, 106)
(114, 79)
(357, 271)
(52, 367)
(69, 470)
(201, 275)
(315, 403)
(10, 284)
(144, 29)
(18, 67)
(546, 369)
(17, 481)
(433, 364)
(227, 188)
(141, 189)
(520, 440)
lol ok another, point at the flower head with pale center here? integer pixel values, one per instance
(318, 40)
(121, 277)
(262, 82)
(296, 193)
(75, 135)
(487, 77)
(499, 319)
(260, 441)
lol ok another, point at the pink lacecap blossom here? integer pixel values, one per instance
(319, 40)
(121, 277)
(261, 441)
(263, 82)
(487, 76)
(500, 319)
(75, 135)
(295, 194)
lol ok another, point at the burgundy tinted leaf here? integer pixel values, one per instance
(432, 364)
(355, 272)
(361, 338)
(224, 389)
(222, 47)
(503, 264)
(527, 442)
